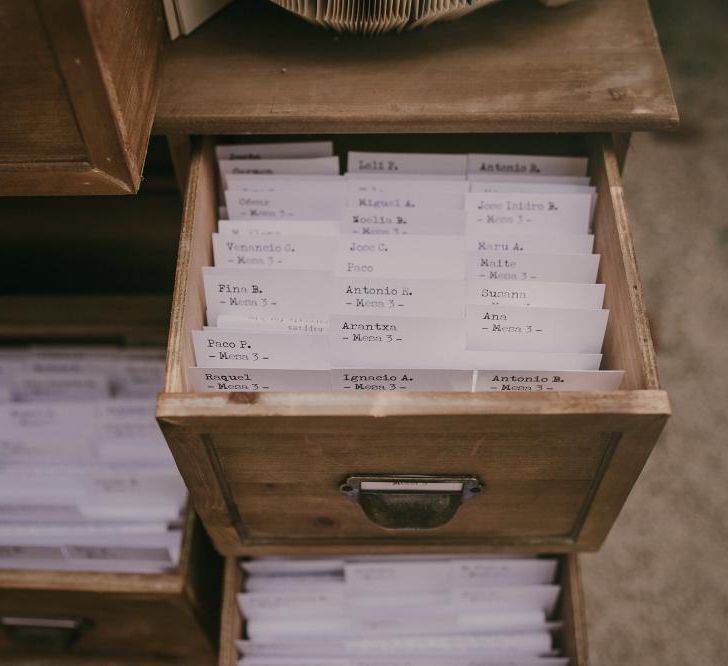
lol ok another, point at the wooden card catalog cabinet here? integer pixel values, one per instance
(79, 93)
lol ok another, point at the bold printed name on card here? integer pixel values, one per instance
(526, 165)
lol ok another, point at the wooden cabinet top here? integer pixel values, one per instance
(516, 66)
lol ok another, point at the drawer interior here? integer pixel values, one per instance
(265, 469)
(570, 639)
(627, 343)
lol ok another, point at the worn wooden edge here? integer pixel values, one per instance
(174, 407)
(610, 155)
(182, 276)
(70, 33)
(60, 179)
(440, 123)
(230, 622)
(124, 133)
(574, 633)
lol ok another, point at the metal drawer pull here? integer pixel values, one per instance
(43, 633)
(410, 501)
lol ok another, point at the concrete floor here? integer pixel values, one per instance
(657, 593)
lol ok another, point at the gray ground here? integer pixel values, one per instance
(657, 593)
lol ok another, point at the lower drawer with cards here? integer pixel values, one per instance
(89, 574)
(537, 471)
(493, 619)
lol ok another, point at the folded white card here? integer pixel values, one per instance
(544, 180)
(267, 293)
(514, 186)
(404, 185)
(535, 294)
(505, 328)
(251, 151)
(280, 227)
(272, 324)
(526, 165)
(405, 199)
(324, 166)
(530, 212)
(426, 257)
(558, 380)
(406, 163)
(515, 266)
(250, 381)
(480, 240)
(274, 252)
(354, 380)
(401, 221)
(275, 351)
(284, 205)
(401, 297)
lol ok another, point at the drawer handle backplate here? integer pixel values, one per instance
(43, 633)
(410, 501)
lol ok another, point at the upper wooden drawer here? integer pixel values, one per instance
(594, 65)
(265, 470)
(80, 86)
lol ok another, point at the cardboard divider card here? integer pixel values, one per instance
(251, 151)
(301, 205)
(526, 165)
(515, 186)
(384, 340)
(274, 351)
(433, 257)
(314, 183)
(272, 324)
(535, 294)
(394, 177)
(406, 163)
(275, 252)
(278, 227)
(515, 266)
(522, 644)
(535, 180)
(253, 380)
(401, 221)
(504, 328)
(399, 186)
(399, 296)
(354, 380)
(324, 166)
(529, 212)
(479, 240)
(556, 380)
(266, 292)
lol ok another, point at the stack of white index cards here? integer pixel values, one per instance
(400, 611)
(411, 272)
(86, 479)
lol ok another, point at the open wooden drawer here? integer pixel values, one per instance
(571, 639)
(266, 471)
(80, 618)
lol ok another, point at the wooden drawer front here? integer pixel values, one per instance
(113, 624)
(265, 470)
(80, 90)
(571, 639)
